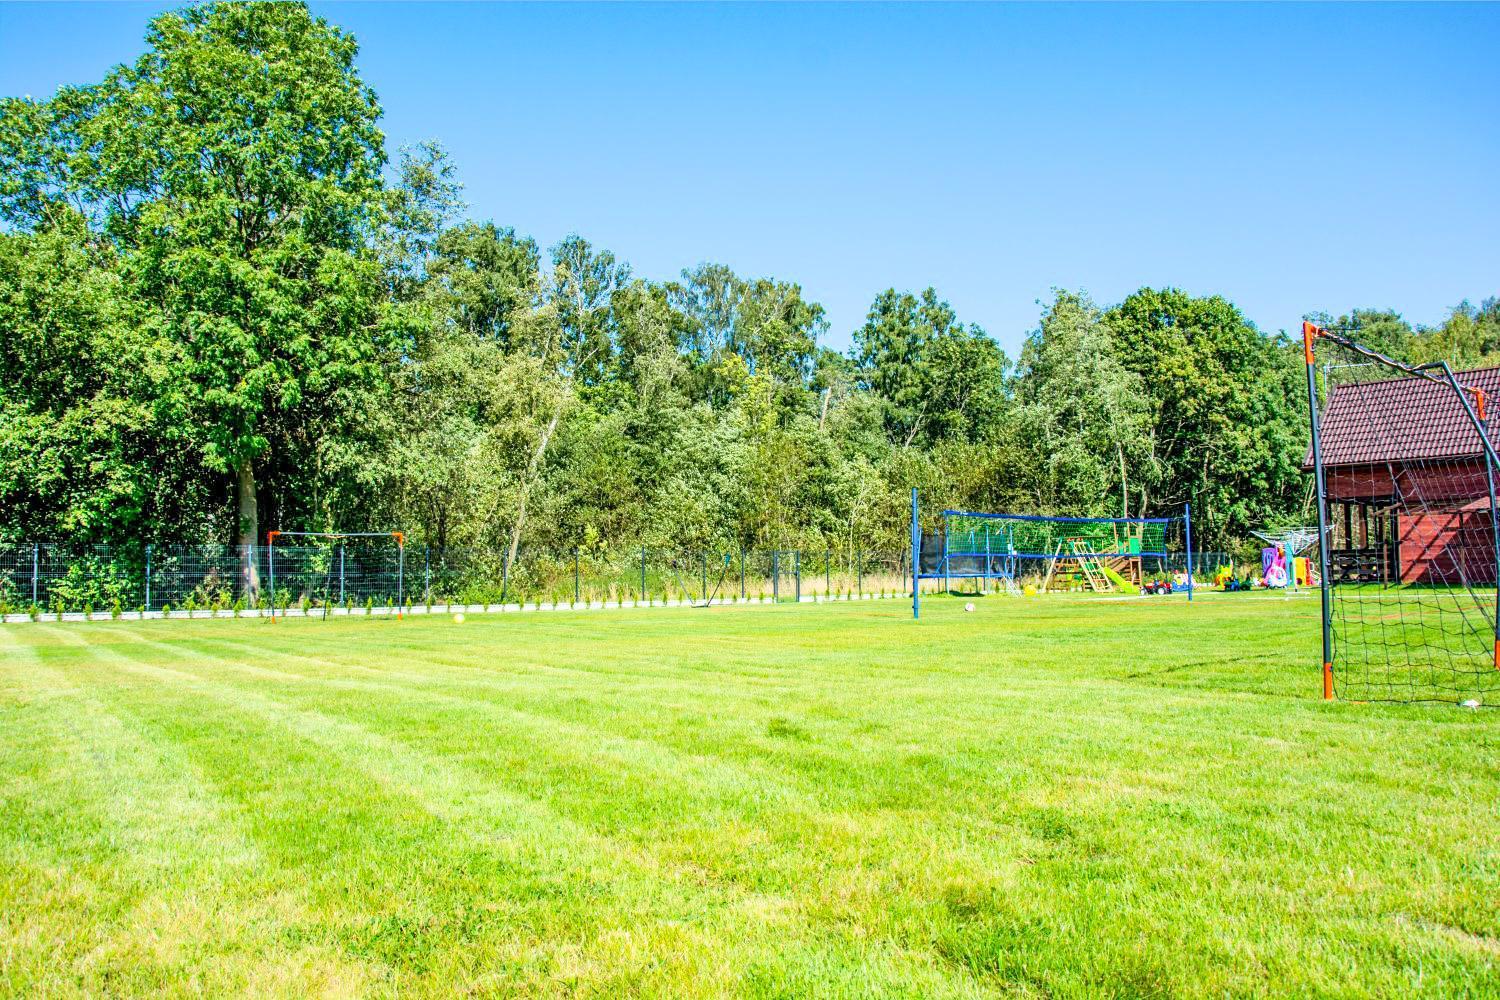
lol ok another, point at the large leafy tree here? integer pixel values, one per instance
(236, 165)
(1085, 415)
(939, 379)
(1225, 404)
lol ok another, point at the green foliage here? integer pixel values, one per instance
(216, 303)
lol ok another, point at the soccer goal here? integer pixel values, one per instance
(325, 570)
(1404, 465)
(1097, 554)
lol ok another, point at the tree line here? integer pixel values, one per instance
(224, 309)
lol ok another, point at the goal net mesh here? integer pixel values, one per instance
(1408, 519)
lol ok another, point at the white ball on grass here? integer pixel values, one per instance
(969, 606)
(459, 617)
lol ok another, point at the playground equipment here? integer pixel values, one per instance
(1096, 554)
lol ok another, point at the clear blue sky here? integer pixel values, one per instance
(1292, 158)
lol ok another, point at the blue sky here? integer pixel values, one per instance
(1291, 158)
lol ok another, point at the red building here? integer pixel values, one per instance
(1404, 475)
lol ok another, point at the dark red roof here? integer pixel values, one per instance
(1405, 419)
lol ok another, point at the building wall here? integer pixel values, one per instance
(1445, 482)
(1446, 548)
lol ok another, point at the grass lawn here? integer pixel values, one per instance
(1051, 797)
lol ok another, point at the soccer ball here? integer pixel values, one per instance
(969, 606)
(459, 617)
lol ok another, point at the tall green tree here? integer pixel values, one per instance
(237, 166)
(1085, 415)
(939, 379)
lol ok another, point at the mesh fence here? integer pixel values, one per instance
(363, 573)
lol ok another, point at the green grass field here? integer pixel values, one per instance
(1052, 797)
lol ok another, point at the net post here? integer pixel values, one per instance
(36, 565)
(400, 571)
(1187, 525)
(148, 576)
(1310, 333)
(916, 546)
(271, 567)
(1489, 480)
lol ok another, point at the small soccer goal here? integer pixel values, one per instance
(1404, 464)
(324, 571)
(1044, 552)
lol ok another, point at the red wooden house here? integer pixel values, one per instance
(1404, 475)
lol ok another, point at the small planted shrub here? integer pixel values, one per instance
(33, 612)
(166, 611)
(369, 605)
(115, 609)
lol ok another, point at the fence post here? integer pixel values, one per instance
(742, 572)
(575, 575)
(828, 575)
(35, 565)
(643, 577)
(427, 574)
(797, 566)
(341, 572)
(148, 577)
(775, 576)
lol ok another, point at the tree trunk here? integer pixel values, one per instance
(1124, 492)
(249, 528)
(533, 469)
(248, 520)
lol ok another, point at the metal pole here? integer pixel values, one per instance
(1489, 478)
(427, 574)
(1309, 334)
(341, 572)
(828, 574)
(35, 567)
(742, 572)
(270, 569)
(400, 576)
(1187, 520)
(775, 576)
(575, 574)
(148, 578)
(984, 580)
(797, 567)
(916, 548)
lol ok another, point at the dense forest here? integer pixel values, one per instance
(224, 308)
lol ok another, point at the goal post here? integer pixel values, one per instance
(321, 566)
(1078, 553)
(1404, 467)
